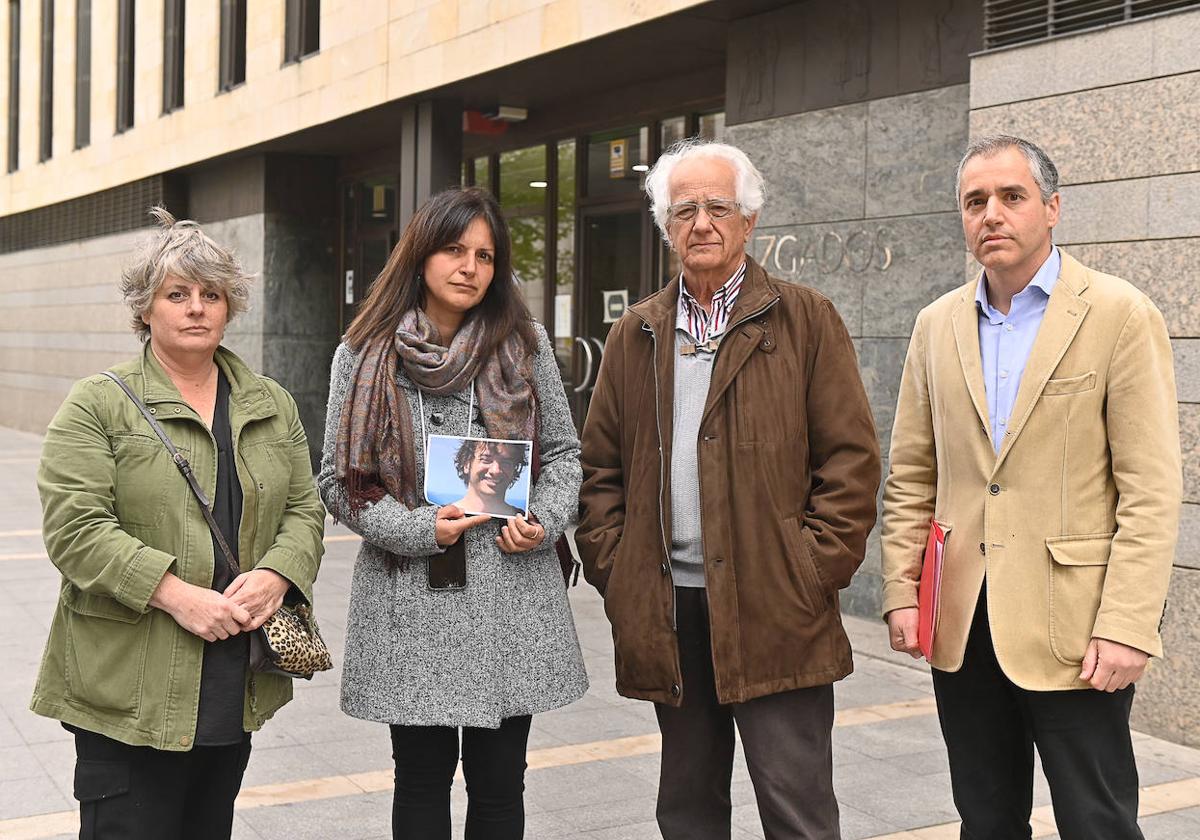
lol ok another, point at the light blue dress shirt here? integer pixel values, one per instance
(1006, 340)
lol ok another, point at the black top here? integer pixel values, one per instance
(223, 676)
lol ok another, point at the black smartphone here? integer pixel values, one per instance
(448, 570)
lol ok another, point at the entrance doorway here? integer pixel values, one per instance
(611, 276)
(368, 235)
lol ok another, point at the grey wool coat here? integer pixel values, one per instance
(503, 646)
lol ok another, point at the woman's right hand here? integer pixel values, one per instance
(451, 522)
(200, 611)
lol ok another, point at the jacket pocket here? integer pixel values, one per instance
(143, 469)
(811, 590)
(1077, 570)
(96, 780)
(1070, 385)
(106, 644)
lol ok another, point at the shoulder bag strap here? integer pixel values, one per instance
(184, 468)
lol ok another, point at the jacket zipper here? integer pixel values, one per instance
(662, 473)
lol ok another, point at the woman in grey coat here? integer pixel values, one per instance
(444, 344)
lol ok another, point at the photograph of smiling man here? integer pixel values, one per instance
(494, 473)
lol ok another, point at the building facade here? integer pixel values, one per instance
(303, 133)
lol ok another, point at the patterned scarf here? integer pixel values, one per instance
(375, 448)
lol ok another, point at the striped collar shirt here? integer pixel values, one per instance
(704, 325)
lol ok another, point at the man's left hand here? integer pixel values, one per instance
(260, 592)
(1112, 666)
(519, 535)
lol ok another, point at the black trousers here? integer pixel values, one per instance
(140, 793)
(991, 727)
(493, 766)
(787, 738)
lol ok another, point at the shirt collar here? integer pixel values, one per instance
(1044, 280)
(685, 295)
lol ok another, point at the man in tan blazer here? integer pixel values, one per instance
(1037, 422)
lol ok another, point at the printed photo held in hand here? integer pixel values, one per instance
(479, 475)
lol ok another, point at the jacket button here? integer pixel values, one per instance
(675, 690)
(184, 741)
(663, 568)
(994, 489)
(982, 548)
(262, 486)
(154, 411)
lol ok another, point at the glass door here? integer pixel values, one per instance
(368, 235)
(610, 279)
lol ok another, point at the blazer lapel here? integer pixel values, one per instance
(1064, 313)
(966, 338)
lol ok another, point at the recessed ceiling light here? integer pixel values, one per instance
(641, 167)
(540, 185)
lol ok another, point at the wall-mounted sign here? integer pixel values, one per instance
(350, 286)
(813, 251)
(616, 301)
(617, 154)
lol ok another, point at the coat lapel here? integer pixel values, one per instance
(1064, 313)
(966, 339)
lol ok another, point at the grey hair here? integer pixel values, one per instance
(183, 250)
(1045, 173)
(751, 188)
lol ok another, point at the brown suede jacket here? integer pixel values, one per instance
(789, 468)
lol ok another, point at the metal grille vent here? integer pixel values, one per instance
(1008, 22)
(111, 211)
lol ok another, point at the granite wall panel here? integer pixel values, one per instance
(913, 146)
(814, 163)
(1135, 130)
(1163, 269)
(1116, 55)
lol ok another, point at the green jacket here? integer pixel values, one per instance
(117, 516)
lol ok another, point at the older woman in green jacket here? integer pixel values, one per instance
(148, 657)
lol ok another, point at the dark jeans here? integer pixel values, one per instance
(493, 766)
(787, 739)
(140, 793)
(991, 726)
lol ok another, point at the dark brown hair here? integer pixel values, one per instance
(400, 287)
(470, 447)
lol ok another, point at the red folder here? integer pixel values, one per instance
(929, 589)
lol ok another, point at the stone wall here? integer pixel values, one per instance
(861, 207)
(61, 315)
(1118, 110)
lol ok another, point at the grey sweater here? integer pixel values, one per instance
(503, 646)
(692, 376)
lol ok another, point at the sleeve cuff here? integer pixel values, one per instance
(1150, 644)
(898, 596)
(142, 577)
(284, 564)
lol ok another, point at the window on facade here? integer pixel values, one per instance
(46, 94)
(301, 30)
(522, 194)
(14, 80)
(83, 73)
(173, 18)
(233, 44)
(124, 65)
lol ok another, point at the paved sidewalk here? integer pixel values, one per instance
(316, 773)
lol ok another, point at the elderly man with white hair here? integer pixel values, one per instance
(730, 471)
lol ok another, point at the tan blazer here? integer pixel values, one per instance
(1074, 522)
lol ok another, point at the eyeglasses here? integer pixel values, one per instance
(686, 211)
